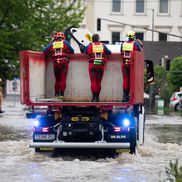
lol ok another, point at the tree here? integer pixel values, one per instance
(175, 74)
(28, 25)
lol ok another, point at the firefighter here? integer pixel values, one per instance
(97, 53)
(126, 52)
(59, 49)
(54, 35)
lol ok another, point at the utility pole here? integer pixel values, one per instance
(152, 24)
(151, 85)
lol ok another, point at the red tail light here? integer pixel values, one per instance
(40, 129)
(45, 130)
(117, 129)
(173, 98)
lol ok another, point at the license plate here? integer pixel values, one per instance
(44, 136)
(83, 118)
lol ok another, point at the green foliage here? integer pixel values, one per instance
(28, 25)
(174, 172)
(161, 85)
(175, 74)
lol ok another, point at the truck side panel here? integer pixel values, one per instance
(137, 78)
(32, 73)
(36, 75)
(23, 76)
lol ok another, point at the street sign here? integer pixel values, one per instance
(160, 107)
(13, 87)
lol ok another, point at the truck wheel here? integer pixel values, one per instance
(133, 138)
(133, 150)
(133, 146)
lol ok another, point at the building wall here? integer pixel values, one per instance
(167, 23)
(154, 51)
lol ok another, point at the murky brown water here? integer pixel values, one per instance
(166, 133)
(19, 163)
(11, 133)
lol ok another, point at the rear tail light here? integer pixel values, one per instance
(173, 98)
(45, 130)
(40, 129)
(117, 129)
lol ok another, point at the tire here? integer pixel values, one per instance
(133, 146)
(133, 142)
(177, 107)
(133, 150)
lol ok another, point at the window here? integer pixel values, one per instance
(162, 37)
(116, 6)
(139, 6)
(139, 35)
(163, 6)
(115, 37)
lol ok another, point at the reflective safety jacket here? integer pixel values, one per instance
(97, 52)
(129, 46)
(58, 50)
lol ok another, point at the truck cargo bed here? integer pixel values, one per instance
(37, 81)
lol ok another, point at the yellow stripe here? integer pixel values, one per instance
(97, 48)
(58, 45)
(127, 46)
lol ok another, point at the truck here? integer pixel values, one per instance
(78, 122)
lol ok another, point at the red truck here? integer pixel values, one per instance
(77, 122)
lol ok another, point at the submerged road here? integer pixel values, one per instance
(163, 142)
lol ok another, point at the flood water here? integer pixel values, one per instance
(167, 133)
(18, 162)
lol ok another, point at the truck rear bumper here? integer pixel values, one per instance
(58, 144)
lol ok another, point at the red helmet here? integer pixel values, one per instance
(60, 35)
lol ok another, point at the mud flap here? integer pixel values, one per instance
(133, 142)
(141, 126)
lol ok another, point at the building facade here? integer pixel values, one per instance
(152, 20)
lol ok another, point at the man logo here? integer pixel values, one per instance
(118, 136)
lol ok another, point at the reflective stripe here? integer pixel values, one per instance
(99, 62)
(58, 45)
(128, 46)
(97, 48)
